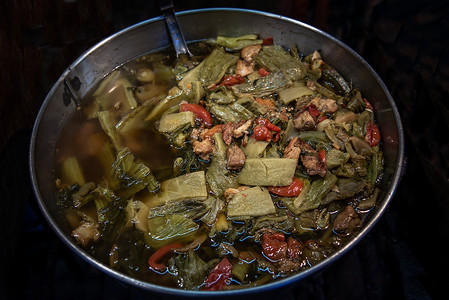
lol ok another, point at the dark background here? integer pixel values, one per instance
(403, 257)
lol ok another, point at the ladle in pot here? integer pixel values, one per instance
(179, 43)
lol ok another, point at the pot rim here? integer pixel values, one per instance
(279, 283)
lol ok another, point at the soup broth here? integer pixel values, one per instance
(246, 163)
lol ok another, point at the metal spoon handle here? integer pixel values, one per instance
(173, 27)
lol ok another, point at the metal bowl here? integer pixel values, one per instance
(81, 76)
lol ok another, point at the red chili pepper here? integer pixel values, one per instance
(268, 41)
(155, 260)
(262, 133)
(274, 246)
(292, 190)
(372, 135)
(276, 137)
(232, 79)
(210, 133)
(201, 114)
(262, 72)
(368, 105)
(267, 123)
(322, 155)
(219, 276)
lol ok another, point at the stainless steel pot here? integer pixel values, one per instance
(80, 77)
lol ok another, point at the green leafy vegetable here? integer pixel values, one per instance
(191, 270)
(346, 188)
(252, 202)
(132, 174)
(170, 102)
(218, 177)
(264, 86)
(210, 70)
(230, 113)
(275, 59)
(190, 208)
(294, 92)
(318, 189)
(71, 171)
(164, 230)
(237, 43)
(268, 171)
(188, 186)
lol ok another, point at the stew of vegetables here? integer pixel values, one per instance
(247, 163)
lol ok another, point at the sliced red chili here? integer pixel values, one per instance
(155, 260)
(219, 276)
(292, 190)
(372, 135)
(274, 246)
(232, 79)
(262, 72)
(262, 133)
(216, 129)
(368, 105)
(201, 114)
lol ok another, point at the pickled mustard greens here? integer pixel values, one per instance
(248, 163)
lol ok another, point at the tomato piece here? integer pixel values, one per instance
(274, 246)
(262, 133)
(268, 41)
(262, 72)
(292, 190)
(268, 124)
(155, 260)
(232, 79)
(322, 156)
(219, 276)
(372, 135)
(201, 114)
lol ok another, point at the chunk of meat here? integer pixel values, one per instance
(195, 134)
(304, 121)
(292, 150)
(311, 160)
(228, 133)
(86, 233)
(241, 128)
(311, 85)
(236, 158)
(268, 104)
(347, 220)
(203, 149)
(313, 165)
(244, 68)
(325, 105)
(249, 52)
